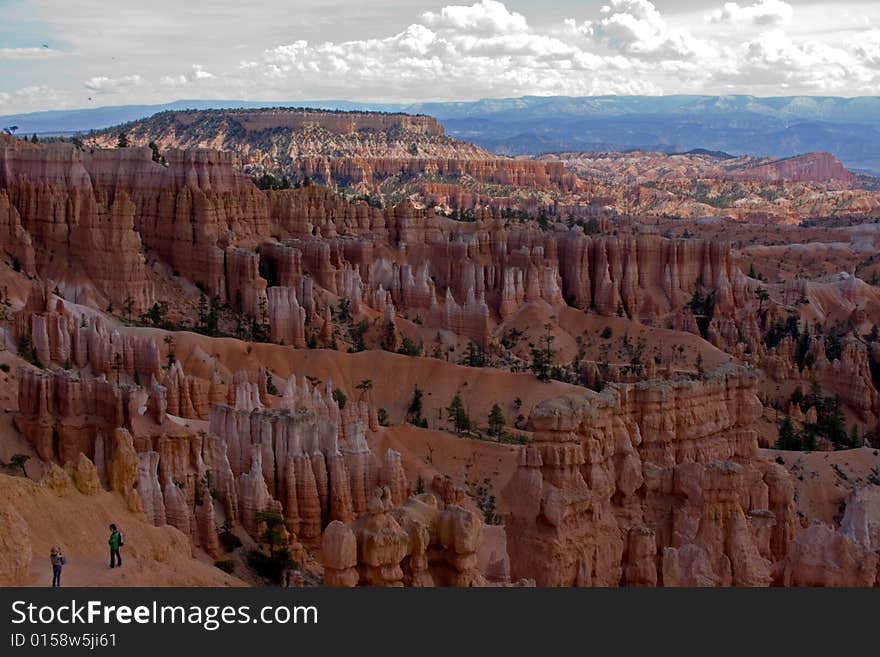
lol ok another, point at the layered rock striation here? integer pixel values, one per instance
(651, 484)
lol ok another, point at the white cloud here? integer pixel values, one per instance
(636, 27)
(197, 73)
(29, 53)
(628, 46)
(764, 13)
(461, 51)
(486, 17)
(26, 98)
(868, 49)
(104, 85)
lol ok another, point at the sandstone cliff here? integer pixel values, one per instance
(651, 484)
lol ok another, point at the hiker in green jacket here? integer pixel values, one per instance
(115, 543)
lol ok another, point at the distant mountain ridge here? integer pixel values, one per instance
(785, 126)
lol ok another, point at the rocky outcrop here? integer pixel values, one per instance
(811, 167)
(312, 458)
(339, 555)
(61, 414)
(14, 239)
(287, 318)
(158, 466)
(353, 149)
(845, 556)
(650, 483)
(70, 222)
(421, 542)
(62, 336)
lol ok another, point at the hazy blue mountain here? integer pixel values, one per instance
(779, 127)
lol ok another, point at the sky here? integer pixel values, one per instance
(57, 54)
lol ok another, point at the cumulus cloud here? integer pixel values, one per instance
(102, 84)
(485, 49)
(197, 73)
(626, 47)
(485, 17)
(636, 27)
(868, 48)
(763, 13)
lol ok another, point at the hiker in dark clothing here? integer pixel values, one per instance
(58, 560)
(115, 543)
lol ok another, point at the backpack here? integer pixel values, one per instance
(121, 541)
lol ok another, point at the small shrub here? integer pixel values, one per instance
(271, 566)
(410, 348)
(229, 541)
(226, 565)
(271, 388)
(340, 397)
(18, 461)
(26, 350)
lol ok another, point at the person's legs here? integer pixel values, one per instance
(112, 559)
(115, 558)
(56, 576)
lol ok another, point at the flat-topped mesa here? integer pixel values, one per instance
(810, 167)
(341, 149)
(337, 122)
(627, 487)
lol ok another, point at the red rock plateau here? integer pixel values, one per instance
(297, 386)
(396, 156)
(356, 150)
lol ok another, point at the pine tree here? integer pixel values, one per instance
(271, 388)
(122, 140)
(854, 438)
(458, 415)
(414, 412)
(496, 421)
(390, 337)
(762, 295)
(475, 356)
(788, 438)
